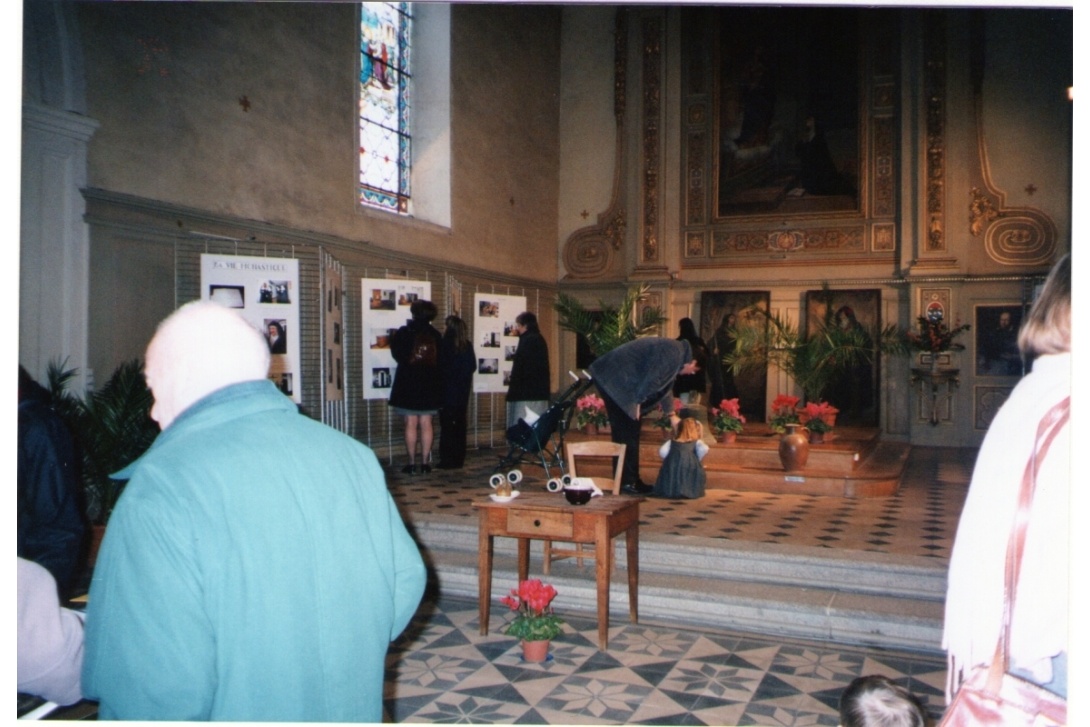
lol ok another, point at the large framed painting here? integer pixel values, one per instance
(788, 110)
(855, 391)
(997, 340)
(719, 312)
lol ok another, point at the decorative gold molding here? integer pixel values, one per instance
(1016, 236)
(589, 251)
(935, 93)
(823, 239)
(651, 38)
(883, 237)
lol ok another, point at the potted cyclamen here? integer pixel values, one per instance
(590, 413)
(727, 420)
(536, 624)
(819, 418)
(784, 412)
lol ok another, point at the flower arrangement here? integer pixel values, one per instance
(590, 409)
(726, 417)
(663, 421)
(535, 620)
(935, 336)
(818, 417)
(784, 412)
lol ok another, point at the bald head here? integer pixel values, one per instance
(198, 349)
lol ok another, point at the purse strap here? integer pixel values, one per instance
(1051, 423)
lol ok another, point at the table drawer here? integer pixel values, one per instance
(540, 524)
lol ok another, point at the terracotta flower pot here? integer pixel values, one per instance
(590, 429)
(817, 437)
(535, 651)
(728, 437)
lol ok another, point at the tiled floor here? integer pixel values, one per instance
(443, 670)
(920, 520)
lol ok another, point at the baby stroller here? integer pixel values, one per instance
(542, 442)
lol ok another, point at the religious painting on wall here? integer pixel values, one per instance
(855, 391)
(788, 95)
(719, 312)
(996, 329)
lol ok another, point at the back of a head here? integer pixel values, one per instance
(423, 311)
(875, 701)
(528, 319)
(687, 329)
(200, 348)
(1047, 328)
(456, 331)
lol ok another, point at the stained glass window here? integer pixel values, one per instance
(385, 143)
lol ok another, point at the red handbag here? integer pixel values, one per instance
(992, 695)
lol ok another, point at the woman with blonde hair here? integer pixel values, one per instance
(682, 474)
(1011, 452)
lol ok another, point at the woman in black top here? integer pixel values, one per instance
(690, 388)
(530, 386)
(417, 391)
(459, 364)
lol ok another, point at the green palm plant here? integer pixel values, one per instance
(610, 326)
(112, 427)
(812, 361)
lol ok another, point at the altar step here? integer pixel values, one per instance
(852, 462)
(844, 597)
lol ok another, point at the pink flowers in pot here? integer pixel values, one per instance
(727, 417)
(784, 412)
(590, 409)
(818, 417)
(535, 620)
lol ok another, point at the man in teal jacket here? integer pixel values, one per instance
(255, 568)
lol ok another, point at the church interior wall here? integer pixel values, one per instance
(234, 122)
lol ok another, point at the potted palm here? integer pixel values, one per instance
(610, 326)
(535, 624)
(112, 427)
(813, 361)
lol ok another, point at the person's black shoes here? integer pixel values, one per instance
(636, 488)
(425, 468)
(409, 469)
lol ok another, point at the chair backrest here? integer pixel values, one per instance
(597, 448)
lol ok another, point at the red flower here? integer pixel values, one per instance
(784, 405)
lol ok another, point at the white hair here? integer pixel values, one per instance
(200, 348)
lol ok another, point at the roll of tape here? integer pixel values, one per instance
(514, 477)
(554, 485)
(495, 480)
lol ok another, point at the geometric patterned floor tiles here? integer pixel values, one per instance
(920, 520)
(441, 670)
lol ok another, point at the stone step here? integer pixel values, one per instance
(856, 598)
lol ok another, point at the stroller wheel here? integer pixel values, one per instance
(495, 480)
(514, 477)
(554, 485)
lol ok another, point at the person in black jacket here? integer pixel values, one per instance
(530, 386)
(417, 391)
(459, 364)
(51, 523)
(690, 388)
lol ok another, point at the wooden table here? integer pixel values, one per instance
(549, 516)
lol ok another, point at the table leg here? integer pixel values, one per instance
(484, 572)
(632, 551)
(524, 559)
(603, 556)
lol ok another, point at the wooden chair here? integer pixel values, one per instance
(589, 449)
